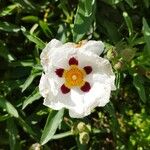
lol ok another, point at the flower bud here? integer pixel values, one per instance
(84, 138)
(119, 65)
(35, 146)
(147, 74)
(81, 126)
(112, 53)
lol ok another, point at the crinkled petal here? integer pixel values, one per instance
(43, 86)
(47, 51)
(98, 96)
(61, 55)
(99, 65)
(96, 47)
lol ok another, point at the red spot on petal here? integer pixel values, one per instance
(64, 89)
(86, 87)
(59, 72)
(88, 69)
(73, 61)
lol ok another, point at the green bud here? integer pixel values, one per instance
(112, 53)
(81, 126)
(119, 65)
(147, 74)
(84, 138)
(35, 146)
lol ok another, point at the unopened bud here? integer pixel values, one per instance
(119, 65)
(147, 74)
(84, 138)
(112, 53)
(81, 126)
(35, 146)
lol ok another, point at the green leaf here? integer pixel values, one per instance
(32, 76)
(138, 83)
(28, 128)
(146, 32)
(31, 98)
(114, 122)
(52, 123)
(4, 117)
(9, 10)
(9, 107)
(62, 33)
(5, 53)
(147, 3)
(30, 19)
(130, 3)
(112, 30)
(31, 37)
(45, 28)
(8, 27)
(26, 4)
(128, 23)
(13, 134)
(62, 135)
(83, 19)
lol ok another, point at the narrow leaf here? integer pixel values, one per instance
(8, 27)
(137, 81)
(13, 133)
(30, 19)
(130, 3)
(51, 126)
(30, 99)
(45, 28)
(128, 23)
(9, 107)
(31, 37)
(8, 10)
(146, 32)
(83, 18)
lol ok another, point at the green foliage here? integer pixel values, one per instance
(25, 28)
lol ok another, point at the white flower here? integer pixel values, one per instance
(75, 77)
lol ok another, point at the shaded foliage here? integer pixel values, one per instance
(26, 26)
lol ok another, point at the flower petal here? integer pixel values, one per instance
(61, 55)
(99, 66)
(98, 96)
(47, 51)
(43, 86)
(95, 47)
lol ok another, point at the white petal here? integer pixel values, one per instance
(49, 102)
(96, 47)
(98, 96)
(62, 54)
(99, 65)
(43, 86)
(47, 51)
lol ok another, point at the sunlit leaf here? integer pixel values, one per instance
(83, 18)
(52, 123)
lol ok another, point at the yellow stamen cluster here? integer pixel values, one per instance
(74, 76)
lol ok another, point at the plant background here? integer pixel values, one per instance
(26, 26)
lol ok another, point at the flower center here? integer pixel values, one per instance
(74, 76)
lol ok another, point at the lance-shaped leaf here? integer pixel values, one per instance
(51, 126)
